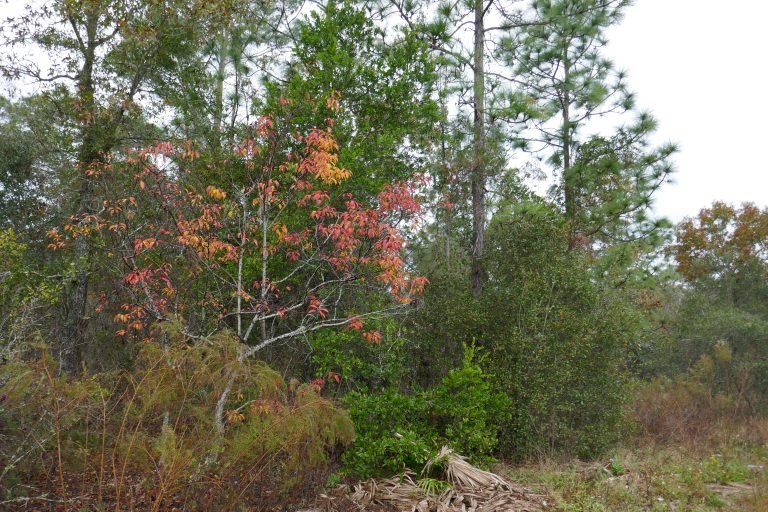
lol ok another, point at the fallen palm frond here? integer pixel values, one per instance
(462, 474)
(471, 489)
(391, 490)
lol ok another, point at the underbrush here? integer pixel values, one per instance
(152, 438)
(722, 474)
(695, 446)
(707, 402)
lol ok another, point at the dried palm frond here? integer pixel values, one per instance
(402, 489)
(461, 473)
(472, 490)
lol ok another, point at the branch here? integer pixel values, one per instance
(334, 322)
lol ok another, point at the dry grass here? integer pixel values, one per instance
(724, 467)
(147, 439)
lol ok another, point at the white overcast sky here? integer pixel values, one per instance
(699, 67)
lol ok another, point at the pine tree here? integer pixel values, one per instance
(606, 183)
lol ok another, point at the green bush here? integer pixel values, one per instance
(388, 455)
(396, 431)
(556, 337)
(558, 341)
(469, 410)
(393, 432)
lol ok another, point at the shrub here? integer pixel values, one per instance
(557, 337)
(25, 297)
(469, 410)
(147, 438)
(397, 431)
(557, 340)
(393, 433)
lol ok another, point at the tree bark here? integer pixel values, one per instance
(478, 153)
(99, 135)
(221, 70)
(569, 190)
(73, 323)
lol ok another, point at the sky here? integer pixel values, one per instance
(699, 67)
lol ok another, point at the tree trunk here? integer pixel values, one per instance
(478, 154)
(569, 188)
(73, 322)
(218, 112)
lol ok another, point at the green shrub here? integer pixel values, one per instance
(396, 431)
(388, 455)
(556, 338)
(469, 411)
(392, 433)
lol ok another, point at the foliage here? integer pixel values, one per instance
(383, 81)
(26, 297)
(392, 433)
(144, 436)
(723, 243)
(556, 340)
(558, 344)
(721, 256)
(273, 252)
(30, 168)
(361, 366)
(469, 410)
(397, 431)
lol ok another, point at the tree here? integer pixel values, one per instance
(274, 250)
(606, 182)
(214, 92)
(614, 182)
(472, 84)
(383, 83)
(723, 243)
(722, 255)
(556, 339)
(29, 133)
(101, 56)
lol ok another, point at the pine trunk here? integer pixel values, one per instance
(478, 154)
